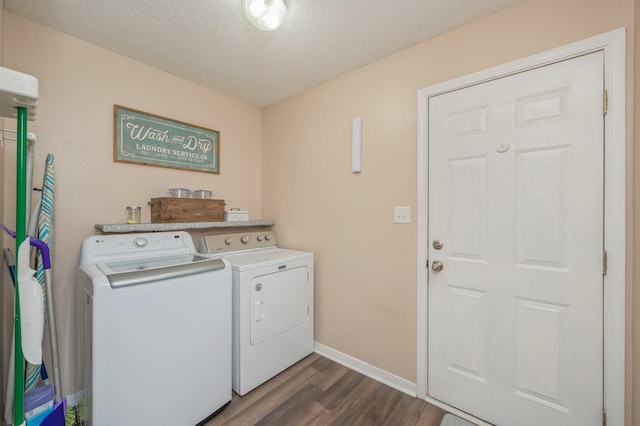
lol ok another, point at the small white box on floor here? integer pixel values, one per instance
(235, 215)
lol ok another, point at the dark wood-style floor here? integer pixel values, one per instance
(318, 391)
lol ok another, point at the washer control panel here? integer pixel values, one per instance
(225, 243)
(107, 248)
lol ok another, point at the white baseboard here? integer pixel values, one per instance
(375, 373)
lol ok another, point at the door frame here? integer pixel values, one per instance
(613, 44)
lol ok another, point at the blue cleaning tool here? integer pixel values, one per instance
(11, 264)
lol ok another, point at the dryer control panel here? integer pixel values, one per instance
(228, 243)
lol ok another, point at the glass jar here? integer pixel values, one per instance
(133, 214)
(202, 193)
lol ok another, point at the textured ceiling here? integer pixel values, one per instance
(210, 42)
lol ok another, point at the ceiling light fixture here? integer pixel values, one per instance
(265, 14)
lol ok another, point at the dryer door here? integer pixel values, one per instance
(279, 302)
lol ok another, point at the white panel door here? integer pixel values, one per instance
(516, 199)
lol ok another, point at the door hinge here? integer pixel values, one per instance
(427, 263)
(605, 102)
(604, 418)
(604, 262)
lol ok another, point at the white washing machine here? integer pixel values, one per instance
(272, 304)
(155, 330)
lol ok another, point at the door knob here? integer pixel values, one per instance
(437, 266)
(437, 244)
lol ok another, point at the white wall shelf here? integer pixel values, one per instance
(156, 227)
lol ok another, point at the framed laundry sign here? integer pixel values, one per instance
(152, 140)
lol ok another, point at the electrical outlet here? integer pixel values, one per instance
(402, 215)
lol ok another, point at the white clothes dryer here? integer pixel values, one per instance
(272, 305)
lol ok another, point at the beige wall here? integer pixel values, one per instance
(292, 160)
(79, 84)
(366, 265)
(633, 296)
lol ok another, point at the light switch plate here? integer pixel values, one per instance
(402, 215)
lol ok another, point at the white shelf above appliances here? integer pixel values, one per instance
(18, 90)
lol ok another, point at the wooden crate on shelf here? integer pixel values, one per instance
(184, 210)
